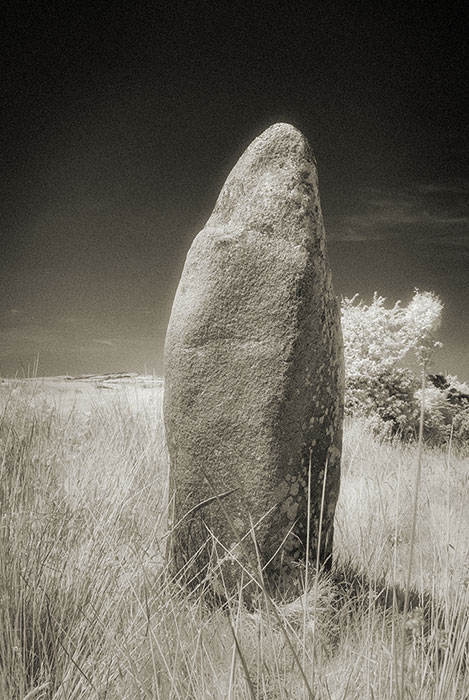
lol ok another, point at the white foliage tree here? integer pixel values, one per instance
(377, 340)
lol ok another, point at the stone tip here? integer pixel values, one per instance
(283, 127)
(282, 130)
(277, 142)
(266, 178)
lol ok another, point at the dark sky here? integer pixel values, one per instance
(120, 124)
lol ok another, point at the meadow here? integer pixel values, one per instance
(89, 611)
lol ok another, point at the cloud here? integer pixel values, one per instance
(109, 343)
(421, 212)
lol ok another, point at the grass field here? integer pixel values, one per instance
(88, 609)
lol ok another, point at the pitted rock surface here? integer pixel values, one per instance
(254, 375)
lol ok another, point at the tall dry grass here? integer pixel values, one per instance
(88, 610)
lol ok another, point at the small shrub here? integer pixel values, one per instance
(388, 398)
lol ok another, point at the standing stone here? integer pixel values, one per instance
(254, 376)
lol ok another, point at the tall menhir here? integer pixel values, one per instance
(254, 378)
